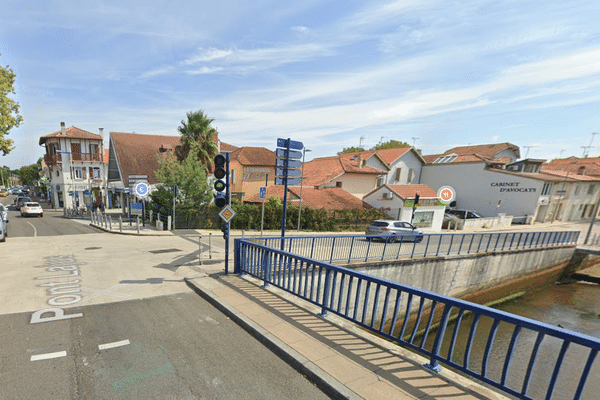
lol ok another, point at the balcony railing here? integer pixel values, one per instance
(53, 159)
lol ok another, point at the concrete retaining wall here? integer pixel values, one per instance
(458, 276)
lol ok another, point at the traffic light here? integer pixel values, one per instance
(220, 185)
(416, 199)
(225, 230)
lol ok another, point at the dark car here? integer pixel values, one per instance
(21, 200)
(463, 214)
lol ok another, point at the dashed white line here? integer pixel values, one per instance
(113, 345)
(48, 356)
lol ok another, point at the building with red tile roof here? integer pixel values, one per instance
(504, 153)
(397, 202)
(249, 168)
(329, 198)
(75, 166)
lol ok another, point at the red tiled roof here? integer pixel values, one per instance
(330, 198)
(322, 170)
(391, 155)
(72, 133)
(409, 191)
(485, 150)
(137, 153)
(574, 165)
(570, 175)
(253, 156)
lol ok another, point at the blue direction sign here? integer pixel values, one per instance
(290, 172)
(287, 181)
(292, 144)
(262, 193)
(288, 154)
(280, 162)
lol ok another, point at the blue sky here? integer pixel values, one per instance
(329, 73)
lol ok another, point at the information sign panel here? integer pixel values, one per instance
(295, 145)
(291, 154)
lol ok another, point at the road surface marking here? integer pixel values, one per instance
(113, 345)
(48, 356)
(34, 230)
(109, 291)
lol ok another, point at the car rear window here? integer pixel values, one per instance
(32, 205)
(380, 223)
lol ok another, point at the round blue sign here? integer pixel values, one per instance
(141, 189)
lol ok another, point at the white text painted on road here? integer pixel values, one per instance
(48, 356)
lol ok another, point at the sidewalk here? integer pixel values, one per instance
(343, 360)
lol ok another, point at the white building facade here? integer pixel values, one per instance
(76, 169)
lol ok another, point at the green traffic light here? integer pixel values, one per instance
(219, 186)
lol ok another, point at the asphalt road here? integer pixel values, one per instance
(170, 347)
(51, 224)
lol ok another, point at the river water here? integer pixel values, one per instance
(574, 306)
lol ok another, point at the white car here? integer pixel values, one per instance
(394, 230)
(31, 208)
(3, 226)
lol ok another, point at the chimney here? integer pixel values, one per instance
(63, 131)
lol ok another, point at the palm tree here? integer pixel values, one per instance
(198, 129)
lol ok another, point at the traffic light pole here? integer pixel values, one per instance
(228, 194)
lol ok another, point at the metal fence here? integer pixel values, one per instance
(447, 330)
(345, 249)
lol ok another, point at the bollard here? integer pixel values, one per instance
(200, 248)
(210, 245)
(137, 220)
(109, 223)
(120, 224)
(169, 228)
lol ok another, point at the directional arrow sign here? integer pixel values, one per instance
(280, 162)
(292, 153)
(290, 181)
(293, 144)
(290, 172)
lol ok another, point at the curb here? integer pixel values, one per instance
(158, 234)
(329, 385)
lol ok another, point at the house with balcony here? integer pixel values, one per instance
(75, 163)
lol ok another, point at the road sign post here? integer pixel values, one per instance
(288, 159)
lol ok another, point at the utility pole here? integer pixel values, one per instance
(361, 140)
(414, 140)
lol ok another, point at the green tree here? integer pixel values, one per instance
(9, 109)
(197, 130)
(29, 174)
(190, 177)
(350, 150)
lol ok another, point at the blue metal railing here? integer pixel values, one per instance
(447, 330)
(345, 249)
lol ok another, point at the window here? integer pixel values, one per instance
(77, 173)
(445, 159)
(546, 189)
(338, 184)
(398, 174)
(96, 173)
(411, 175)
(577, 189)
(379, 181)
(591, 189)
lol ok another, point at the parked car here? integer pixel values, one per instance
(20, 200)
(451, 221)
(3, 212)
(463, 214)
(3, 227)
(3, 193)
(31, 208)
(394, 230)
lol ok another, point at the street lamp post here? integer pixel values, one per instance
(301, 183)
